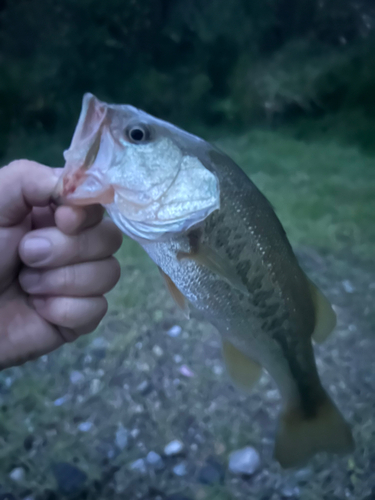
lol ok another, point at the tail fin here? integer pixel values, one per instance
(299, 438)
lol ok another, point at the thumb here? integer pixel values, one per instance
(23, 185)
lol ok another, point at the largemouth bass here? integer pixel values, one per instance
(220, 248)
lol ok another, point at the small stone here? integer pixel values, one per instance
(155, 460)
(17, 474)
(180, 469)
(99, 343)
(61, 401)
(95, 386)
(186, 372)
(158, 351)
(218, 370)
(85, 426)
(244, 461)
(348, 287)
(211, 473)
(138, 466)
(135, 433)
(177, 358)
(69, 478)
(8, 382)
(175, 331)
(143, 387)
(87, 359)
(143, 367)
(122, 437)
(76, 377)
(290, 492)
(173, 448)
(138, 409)
(303, 475)
(272, 395)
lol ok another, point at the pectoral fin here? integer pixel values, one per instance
(214, 262)
(243, 371)
(176, 294)
(325, 317)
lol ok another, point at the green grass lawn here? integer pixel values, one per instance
(323, 192)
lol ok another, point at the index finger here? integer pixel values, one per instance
(24, 184)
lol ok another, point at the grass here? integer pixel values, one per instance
(322, 191)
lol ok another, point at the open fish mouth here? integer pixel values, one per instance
(82, 182)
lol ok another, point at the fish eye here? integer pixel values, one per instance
(138, 133)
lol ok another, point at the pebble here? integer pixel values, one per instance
(177, 358)
(186, 372)
(155, 460)
(218, 370)
(211, 473)
(17, 474)
(95, 386)
(348, 287)
(173, 448)
(85, 426)
(175, 331)
(303, 475)
(244, 461)
(62, 400)
(122, 437)
(99, 343)
(135, 433)
(69, 478)
(138, 466)
(272, 395)
(158, 351)
(8, 382)
(76, 377)
(290, 492)
(180, 469)
(143, 387)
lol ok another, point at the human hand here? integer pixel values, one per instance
(55, 266)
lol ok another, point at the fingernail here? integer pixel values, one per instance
(30, 281)
(36, 250)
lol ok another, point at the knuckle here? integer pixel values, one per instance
(62, 311)
(83, 241)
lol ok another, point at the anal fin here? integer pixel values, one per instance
(176, 294)
(325, 317)
(243, 371)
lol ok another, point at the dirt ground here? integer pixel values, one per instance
(137, 381)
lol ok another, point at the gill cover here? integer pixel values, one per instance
(148, 184)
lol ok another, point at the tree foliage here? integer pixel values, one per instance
(210, 61)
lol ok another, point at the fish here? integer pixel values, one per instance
(221, 250)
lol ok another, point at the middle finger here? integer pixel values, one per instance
(78, 280)
(50, 248)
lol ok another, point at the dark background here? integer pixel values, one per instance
(211, 63)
